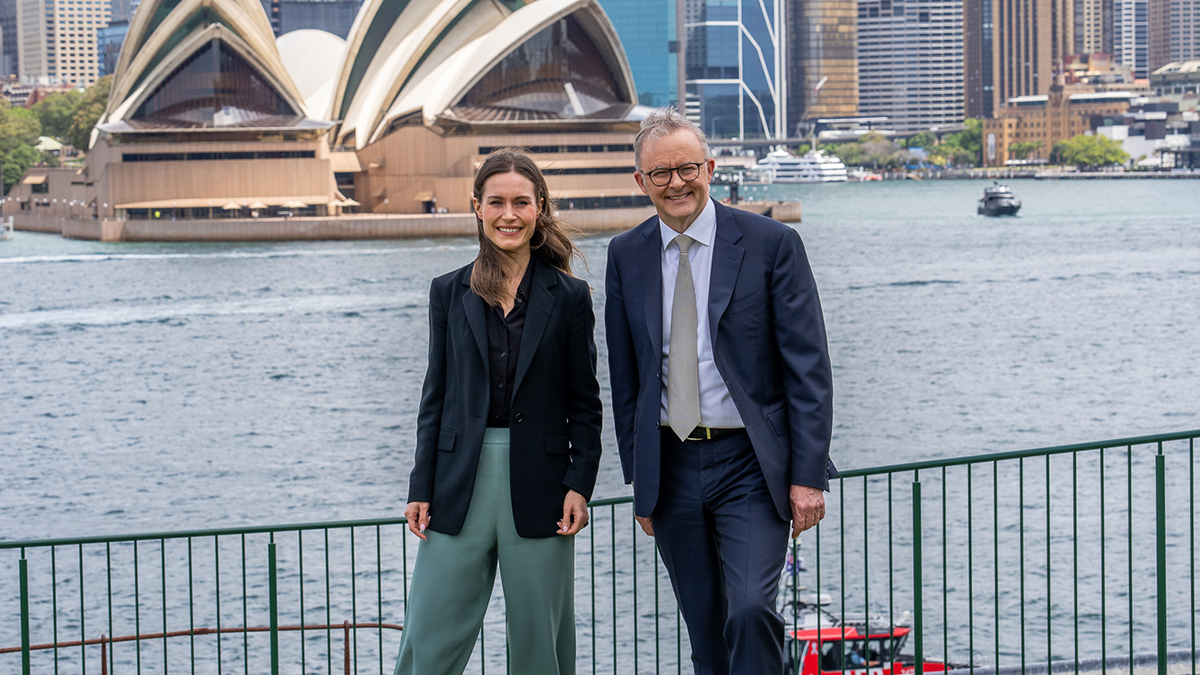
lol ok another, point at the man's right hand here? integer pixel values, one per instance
(647, 526)
(417, 514)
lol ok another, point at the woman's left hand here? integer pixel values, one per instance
(575, 514)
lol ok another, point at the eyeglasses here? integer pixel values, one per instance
(662, 177)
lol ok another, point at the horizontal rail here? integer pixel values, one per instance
(399, 520)
(102, 640)
(1018, 454)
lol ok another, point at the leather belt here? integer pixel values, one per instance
(708, 433)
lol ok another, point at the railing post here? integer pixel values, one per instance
(346, 645)
(918, 618)
(26, 668)
(274, 605)
(1160, 489)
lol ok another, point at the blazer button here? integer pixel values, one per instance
(518, 417)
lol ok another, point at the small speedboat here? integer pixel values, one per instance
(998, 200)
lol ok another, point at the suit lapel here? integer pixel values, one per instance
(537, 316)
(474, 307)
(651, 272)
(726, 262)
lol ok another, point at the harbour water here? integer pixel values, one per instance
(151, 387)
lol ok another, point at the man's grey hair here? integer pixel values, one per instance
(664, 122)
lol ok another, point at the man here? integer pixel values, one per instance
(722, 396)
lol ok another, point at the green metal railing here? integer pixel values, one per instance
(1006, 559)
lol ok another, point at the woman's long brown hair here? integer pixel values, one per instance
(549, 243)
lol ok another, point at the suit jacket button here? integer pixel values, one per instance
(518, 417)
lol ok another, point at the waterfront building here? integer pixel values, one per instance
(1101, 72)
(822, 48)
(735, 54)
(648, 32)
(1065, 112)
(57, 40)
(910, 60)
(108, 46)
(1182, 77)
(1014, 48)
(210, 117)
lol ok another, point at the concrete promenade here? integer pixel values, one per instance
(355, 226)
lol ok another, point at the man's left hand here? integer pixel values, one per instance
(808, 508)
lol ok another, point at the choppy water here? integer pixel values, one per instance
(147, 387)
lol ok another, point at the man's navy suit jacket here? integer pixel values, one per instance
(768, 340)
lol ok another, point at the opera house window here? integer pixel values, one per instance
(559, 72)
(214, 87)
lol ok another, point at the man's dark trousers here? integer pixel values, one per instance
(723, 543)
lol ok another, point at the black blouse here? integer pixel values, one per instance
(504, 341)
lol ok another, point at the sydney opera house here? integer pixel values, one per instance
(212, 117)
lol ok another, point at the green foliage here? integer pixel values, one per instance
(925, 139)
(1023, 149)
(18, 127)
(17, 162)
(56, 112)
(91, 107)
(965, 147)
(1088, 152)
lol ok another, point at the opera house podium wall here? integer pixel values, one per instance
(212, 122)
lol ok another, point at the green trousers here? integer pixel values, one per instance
(454, 576)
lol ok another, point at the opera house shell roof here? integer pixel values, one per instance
(213, 64)
(201, 82)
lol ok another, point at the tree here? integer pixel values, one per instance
(925, 139)
(1022, 149)
(18, 127)
(970, 140)
(56, 112)
(17, 162)
(91, 107)
(1089, 151)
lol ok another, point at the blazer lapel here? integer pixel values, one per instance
(726, 262)
(474, 307)
(651, 269)
(537, 316)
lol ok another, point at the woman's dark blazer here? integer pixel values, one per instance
(554, 420)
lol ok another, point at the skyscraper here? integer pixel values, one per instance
(1093, 26)
(1029, 41)
(735, 67)
(979, 96)
(1184, 29)
(647, 31)
(910, 62)
(57, 39)
(1131, 35)
(8, 38)
(822, 44)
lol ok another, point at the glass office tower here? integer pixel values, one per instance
(647, 31)
(735, 66)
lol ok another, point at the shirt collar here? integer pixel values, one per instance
(701, 229)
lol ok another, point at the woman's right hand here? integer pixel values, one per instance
(417, 514)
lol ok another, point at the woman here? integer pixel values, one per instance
(508, 436)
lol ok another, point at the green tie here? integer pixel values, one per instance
(683, 374)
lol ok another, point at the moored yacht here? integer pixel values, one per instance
(782, 166)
